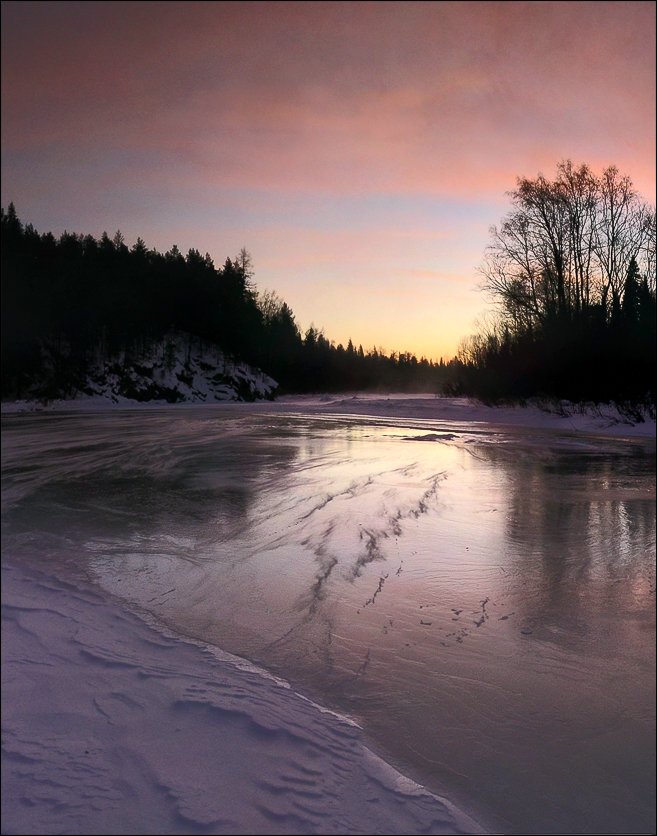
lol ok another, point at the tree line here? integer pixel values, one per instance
(571, 270)
(76, 299)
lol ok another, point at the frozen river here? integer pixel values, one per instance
(480, 599)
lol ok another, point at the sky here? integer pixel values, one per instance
(359, 151)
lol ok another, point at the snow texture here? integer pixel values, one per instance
(178, 369)
(112, 726)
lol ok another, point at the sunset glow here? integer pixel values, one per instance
(360, 151)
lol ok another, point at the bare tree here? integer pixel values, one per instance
(567, 245)
(620, 232)
(244, 262)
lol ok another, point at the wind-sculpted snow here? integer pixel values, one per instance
(110, 726)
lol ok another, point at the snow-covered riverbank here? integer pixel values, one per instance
(111, 726)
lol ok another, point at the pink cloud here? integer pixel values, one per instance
(465, 94)
(283, 102)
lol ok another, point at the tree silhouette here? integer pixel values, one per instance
(70, 301)
(571, 270)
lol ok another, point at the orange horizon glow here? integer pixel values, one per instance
(360, 151)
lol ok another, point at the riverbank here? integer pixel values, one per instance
(112, 726)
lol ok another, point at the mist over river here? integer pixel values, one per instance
(480, 598)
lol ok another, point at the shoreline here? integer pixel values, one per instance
(116, 724)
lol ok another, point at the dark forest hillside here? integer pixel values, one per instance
(68, 301)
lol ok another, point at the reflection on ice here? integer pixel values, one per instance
(486, 609)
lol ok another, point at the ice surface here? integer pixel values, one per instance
(479, 595)
(565, 417)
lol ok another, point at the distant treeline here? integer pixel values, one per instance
(82, 298)
(572, 272)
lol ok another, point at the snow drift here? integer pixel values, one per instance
(111, 726)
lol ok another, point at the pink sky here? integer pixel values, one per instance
(360, 151)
